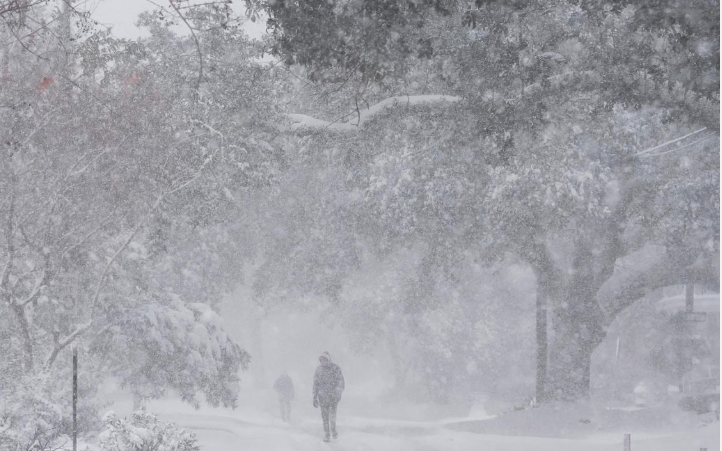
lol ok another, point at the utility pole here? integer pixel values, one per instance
(75, 398)
(541, 340)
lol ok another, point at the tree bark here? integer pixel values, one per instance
(547, 285)
(26, 337)
(258, 367)
(396, 360)
(579, 323)
(579, 327)
(139, 401)
(571, 357)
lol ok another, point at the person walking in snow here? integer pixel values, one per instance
(284, 388)
(328, 385)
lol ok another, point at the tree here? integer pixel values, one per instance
(453, 343)
(563, 99)
(411, 192)
(562, 211)
(94, 168)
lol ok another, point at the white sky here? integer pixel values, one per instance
(121, 15)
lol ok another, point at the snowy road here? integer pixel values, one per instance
(229, 433)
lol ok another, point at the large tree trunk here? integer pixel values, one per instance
(579, 322)
(139, 402)
(258, 367)
(570, 358)
(396, 360)
(547, 285)
(578, 330)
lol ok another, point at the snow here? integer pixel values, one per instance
(552, 55)
(163, 224)
(708, 302)
(301, 121)
(256, 425)
(228, 432)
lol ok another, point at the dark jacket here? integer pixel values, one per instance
(328, 383)
(284, 386)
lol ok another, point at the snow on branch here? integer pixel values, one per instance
(39, 285)
(61, 343)
(302, 121)
(650, 268)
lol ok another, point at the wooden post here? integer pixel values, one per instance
(688, 308)
(627, 442)
(616, 368)
(616, 351)
(75, 399)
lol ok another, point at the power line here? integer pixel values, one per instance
(651, 149)
(679, 148)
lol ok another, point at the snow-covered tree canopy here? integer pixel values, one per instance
(116, 171)
(583, 143)
(434, 178)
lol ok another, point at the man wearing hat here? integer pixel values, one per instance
(328, 385)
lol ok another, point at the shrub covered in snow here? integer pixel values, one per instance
(35, 411)
(144, 432)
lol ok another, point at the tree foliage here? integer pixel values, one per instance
(583, 144)
(114, 152)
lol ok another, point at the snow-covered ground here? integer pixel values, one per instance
(255, 425)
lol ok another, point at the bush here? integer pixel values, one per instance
(701, 403)
(144, 432)
(36, 410)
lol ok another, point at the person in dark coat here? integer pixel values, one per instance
(284, 388)
(328, 386)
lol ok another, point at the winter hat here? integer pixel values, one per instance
(325, 355)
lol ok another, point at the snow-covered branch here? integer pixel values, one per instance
(61, 343)
(35, 292)
(134, 232)
(554, 81)
(4, 274)
(4, 277)
(210, 129)
(86, 237)
(650, 268)
(302, 121)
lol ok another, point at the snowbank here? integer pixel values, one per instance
(579, 421)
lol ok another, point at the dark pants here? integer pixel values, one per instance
(285, 402)
(328, 415)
